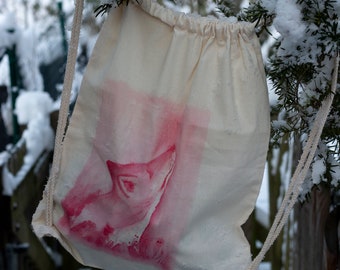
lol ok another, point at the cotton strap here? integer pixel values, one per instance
(300, 173)
(64, 107)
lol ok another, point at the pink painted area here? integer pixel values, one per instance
(134, 194)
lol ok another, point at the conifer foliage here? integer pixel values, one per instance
(300, 69)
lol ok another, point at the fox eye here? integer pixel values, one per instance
(129, 185)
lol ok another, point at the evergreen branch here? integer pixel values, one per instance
(226, 7)
(257, 13)
(104, 8)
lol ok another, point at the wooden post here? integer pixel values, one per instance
(16, 84)
(62, 26)
(311, 218)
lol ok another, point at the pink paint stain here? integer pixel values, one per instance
(133, 195)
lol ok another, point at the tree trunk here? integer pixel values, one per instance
(310, 250)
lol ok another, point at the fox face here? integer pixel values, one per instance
(138, 185)
(117, 219)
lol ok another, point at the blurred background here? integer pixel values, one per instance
(298, 38)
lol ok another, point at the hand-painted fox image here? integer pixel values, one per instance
(132, 196)
(116, 220)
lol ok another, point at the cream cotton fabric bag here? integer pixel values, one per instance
(165, 151)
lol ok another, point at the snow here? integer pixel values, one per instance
(335, 175)
(38, 136)
(273, 97)
(6, 114)
(32, 104)
(288, 20)
(39, 41)
(262, 205)
(286, 169)
(337, 6)
(244, 4)
(274, 162)
(7, 24)
(28, 60)
(178, 8)
(265, 266)
(268, 44)
(4, 70)
(32, 108)
(9, 181)
(270, 5)
(318, 169)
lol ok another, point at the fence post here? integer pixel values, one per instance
(16, 84)
(62, 25)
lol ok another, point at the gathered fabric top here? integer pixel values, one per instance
(220, 28)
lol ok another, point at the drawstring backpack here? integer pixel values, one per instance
(164, 154)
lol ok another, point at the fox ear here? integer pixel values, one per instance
(160, 161)
(112, 167)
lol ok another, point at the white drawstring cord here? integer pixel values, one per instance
(300, 173)
(64, 107)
